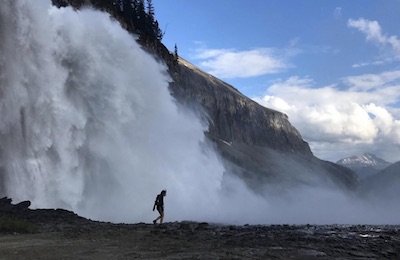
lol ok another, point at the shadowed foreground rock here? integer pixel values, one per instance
(62, 234)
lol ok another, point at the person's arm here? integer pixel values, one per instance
(155, 203)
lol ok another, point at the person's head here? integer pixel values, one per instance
(164, 192)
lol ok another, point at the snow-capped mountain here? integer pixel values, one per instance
(364, 165)
(364, 160)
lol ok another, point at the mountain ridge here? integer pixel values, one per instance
(384, 184)
(364, 160)
(364, 165)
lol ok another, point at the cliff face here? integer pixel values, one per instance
(233, 117)
(258, 144)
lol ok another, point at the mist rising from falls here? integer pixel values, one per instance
(87, 124)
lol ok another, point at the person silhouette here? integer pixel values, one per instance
(159, 203)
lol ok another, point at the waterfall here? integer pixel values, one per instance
(87, 121)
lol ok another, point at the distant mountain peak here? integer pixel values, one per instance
(364, 160)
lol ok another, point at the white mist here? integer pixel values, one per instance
(88, 123)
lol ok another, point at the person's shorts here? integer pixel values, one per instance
(160, 209)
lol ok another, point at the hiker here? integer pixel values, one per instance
(160, 206)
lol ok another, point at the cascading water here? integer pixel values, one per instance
(87, 122)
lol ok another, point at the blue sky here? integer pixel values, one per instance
(332, 66)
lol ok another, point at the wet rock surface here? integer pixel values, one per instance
(62, 234)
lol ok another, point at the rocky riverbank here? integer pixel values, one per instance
(61, 234)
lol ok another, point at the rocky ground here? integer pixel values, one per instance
(61, 234)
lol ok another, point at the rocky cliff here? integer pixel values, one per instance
(232, 116)
(257, 143)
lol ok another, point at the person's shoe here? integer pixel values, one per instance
(154, 222)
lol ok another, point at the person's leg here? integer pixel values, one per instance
(160, 211)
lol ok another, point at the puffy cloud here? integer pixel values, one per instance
(360, 116)
(383, 120)
(321, 114)
(373, 32)
(383, 88)
(229, 63)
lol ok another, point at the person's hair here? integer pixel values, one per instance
(163, 191)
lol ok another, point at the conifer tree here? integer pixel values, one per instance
(176, 56)
(150, 10)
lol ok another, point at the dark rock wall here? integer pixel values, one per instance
(258, 144)
(232, 116)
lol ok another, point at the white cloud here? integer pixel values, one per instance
(383, 88)
(338, 12)
(374, 63)
(373, 32)
(374, 80)
(230, 63)
(360, 117)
